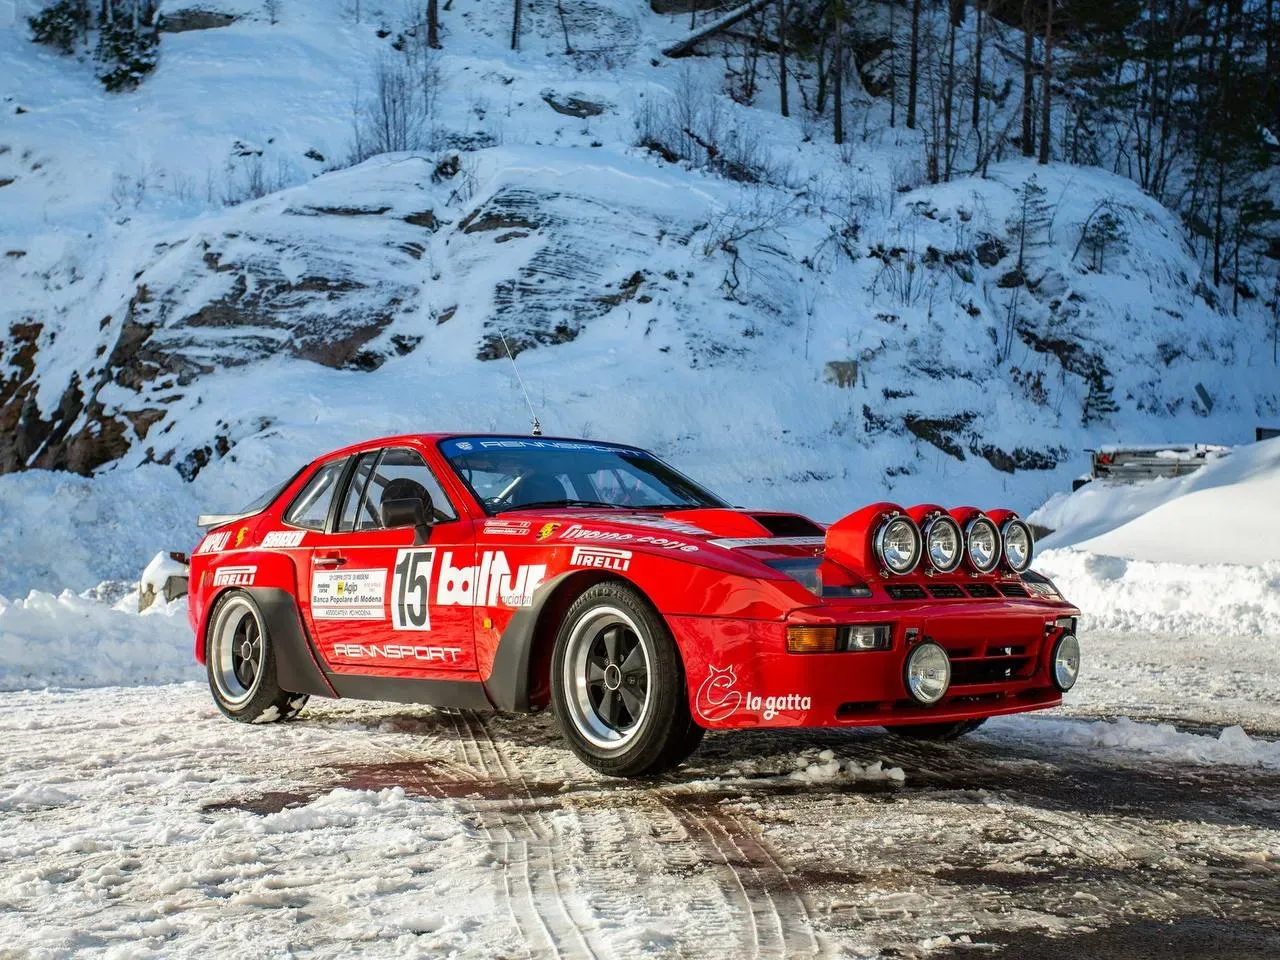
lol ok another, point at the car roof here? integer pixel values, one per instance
(433, 438)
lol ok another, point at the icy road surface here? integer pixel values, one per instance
(137, 822)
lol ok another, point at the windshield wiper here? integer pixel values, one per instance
(539, 504)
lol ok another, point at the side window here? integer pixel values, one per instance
(310, 508)
(358, 512)
(402, 474)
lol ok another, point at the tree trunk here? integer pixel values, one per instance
(1028, 107)
(893, 66)
(949, 94)
(515, 25)
(782, 56)
(913, 68)
(1045, 83)
(977, 64)
(433, 24)
(837, 80)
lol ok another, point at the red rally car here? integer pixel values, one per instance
(513, 573)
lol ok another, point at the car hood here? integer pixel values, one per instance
(761, 532)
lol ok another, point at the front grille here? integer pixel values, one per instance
(974, 672)
(982, 591)
(905, 591)
(1013, 590)
(946, 591)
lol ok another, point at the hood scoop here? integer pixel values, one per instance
(737, 528)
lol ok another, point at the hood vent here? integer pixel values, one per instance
(788, 525)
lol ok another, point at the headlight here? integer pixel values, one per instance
(983, 542)
(1018, 544)
(898, 544)
(942, 543)
(928, 673)
(1066, 662)
(807, 571)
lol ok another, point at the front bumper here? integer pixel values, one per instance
(741, 675)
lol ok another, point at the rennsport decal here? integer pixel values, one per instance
(397, 651)
(234, 576)
(411, 589)
(349, 594)
(717, 699)
(577, 531)
(490, 583)
(508, 528)
(606, 558)
(214, 542)
(284, 538)
(734, 542)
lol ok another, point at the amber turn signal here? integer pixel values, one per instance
(811, 639)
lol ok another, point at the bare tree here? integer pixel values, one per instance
(515, 24)
(1028, 106)
(433, 24)
(1045, 76)
(838, 66)
(782, 56)
(977, 62)
(913, 68)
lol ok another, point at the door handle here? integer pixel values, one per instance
(330, 560)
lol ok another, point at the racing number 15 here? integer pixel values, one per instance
(410, 588)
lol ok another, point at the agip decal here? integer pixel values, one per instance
(349, 595)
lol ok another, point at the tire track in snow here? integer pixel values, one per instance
(567, 928)
(751, 875)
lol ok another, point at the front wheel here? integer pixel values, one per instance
(936, 731)
(241, 664)
(618, 686)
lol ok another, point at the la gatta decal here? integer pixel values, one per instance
(717, 699)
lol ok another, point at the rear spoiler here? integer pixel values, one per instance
(207, 520)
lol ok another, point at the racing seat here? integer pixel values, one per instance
(403, 488)
(535, 488)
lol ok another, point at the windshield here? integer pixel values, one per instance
(512, 473)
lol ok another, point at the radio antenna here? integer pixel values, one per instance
(533, 417)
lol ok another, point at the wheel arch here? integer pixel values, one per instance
(520, 681)
(297, 668)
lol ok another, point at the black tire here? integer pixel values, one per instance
(240, 664)
(611, 623)
(936, 731)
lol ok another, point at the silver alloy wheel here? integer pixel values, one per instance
(606, 677)
(235, 651)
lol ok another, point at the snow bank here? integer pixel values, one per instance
(63, 531)
(1217, 600)
(72, 640)
(1232, 746)
(1226, 512)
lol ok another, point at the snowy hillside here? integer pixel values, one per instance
(837, 334)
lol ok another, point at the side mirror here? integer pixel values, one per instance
(411, 512)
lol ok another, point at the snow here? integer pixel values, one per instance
(1224, 513)
(71, 640)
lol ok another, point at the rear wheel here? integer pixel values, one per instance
(241, 665)
(936, 731)
(618, 686)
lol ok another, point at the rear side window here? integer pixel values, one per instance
(310, 508)
(358, 513)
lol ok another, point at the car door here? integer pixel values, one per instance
(372, 600)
